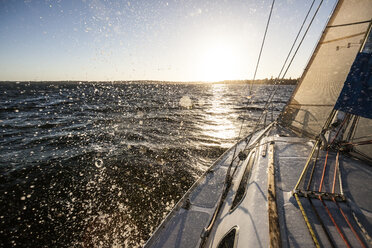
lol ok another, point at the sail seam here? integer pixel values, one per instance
(319, 105)
(348, 24)
(343, 38)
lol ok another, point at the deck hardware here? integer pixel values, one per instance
(324, 195)
(264, 148)
(187, 204)
(242, 156)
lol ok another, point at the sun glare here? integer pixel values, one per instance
(218, 62)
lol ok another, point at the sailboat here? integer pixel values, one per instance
(305, 179)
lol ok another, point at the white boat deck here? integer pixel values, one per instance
(250, 217)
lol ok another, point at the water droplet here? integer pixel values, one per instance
(98, 163)
(185, 102)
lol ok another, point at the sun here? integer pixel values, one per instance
(218, 62)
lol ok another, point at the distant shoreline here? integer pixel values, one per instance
(257, 81)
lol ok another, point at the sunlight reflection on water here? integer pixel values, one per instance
(219, 117)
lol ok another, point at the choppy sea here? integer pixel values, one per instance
(101, 164)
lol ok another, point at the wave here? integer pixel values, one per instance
(107, 160)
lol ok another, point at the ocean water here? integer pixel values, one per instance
(101, 164)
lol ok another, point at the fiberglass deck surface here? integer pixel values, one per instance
(342, 224)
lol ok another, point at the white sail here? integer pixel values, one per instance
(324, 77)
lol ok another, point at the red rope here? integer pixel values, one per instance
(342, 212)
(349, 224)
(335, 224)
(324, 169)
(325, 206)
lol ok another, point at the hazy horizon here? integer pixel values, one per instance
(256, 81)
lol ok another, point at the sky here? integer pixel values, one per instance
(170, 40)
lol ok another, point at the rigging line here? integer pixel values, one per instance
(312, 233)
(247, 143)
(303, 37)
(274, 91)
(352, 128)
(325, 206)
(334, 223)
(313, 169)
(335, 172)
(258, 62)
(362, 137)
(366, 37)
(339, 180)
(322, 224)
(298, 34)
(330, 117)
(293, 56)
(356, 219)
(360, 143)
(299, 45)
(324, 169)
(263, 40)
(266, 130)
(307, 164)
(253, 145)
(363, 156)
(340, 209)
(349, 224)
(227, 183)
(337, 168)
(309, 62)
